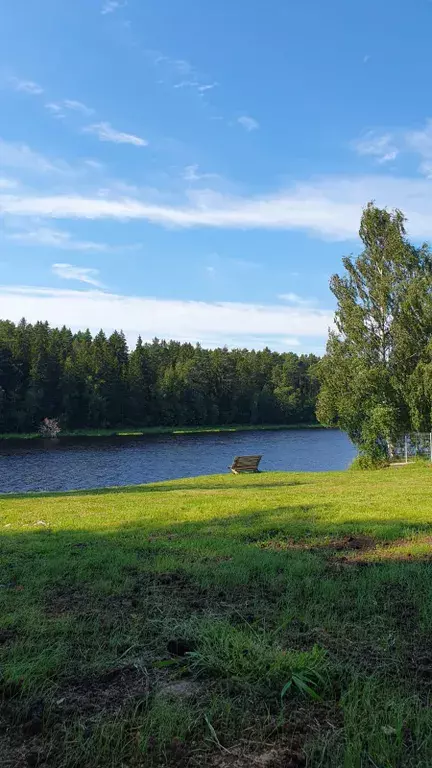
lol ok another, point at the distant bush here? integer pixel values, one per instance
(49, 428)
(369, 462)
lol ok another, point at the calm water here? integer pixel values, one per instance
(90, 463)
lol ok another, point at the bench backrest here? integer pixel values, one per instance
(246, 462)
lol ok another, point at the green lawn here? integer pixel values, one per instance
(159, 625)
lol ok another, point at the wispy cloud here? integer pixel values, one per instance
(57, 108)
(248, 123)
(207, 87)
(26, 86)
(192, 173)
(14, 155)
(366, 58)
(8, 183)
(296, 300)
(82, 274)
(330, 208)
(78, 106)
(55, 238)
(112, 5)
(173, 69)
(105, 132)
(420, 141)
(211, 323)
(200, 87)
(380, 146)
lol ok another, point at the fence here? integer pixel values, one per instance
(416, 444)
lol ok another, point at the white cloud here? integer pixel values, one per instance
(192, 173)
(55, 238)
(14, 155)
(200, 87)
(112, 5)
(8, 183)
(78, 106)
(57, 108)
(330, 207)
(27, 86)
(380, 146)
(211, 271)
(294, 298)
(105, 132)
(249, 123)
(207, 87)
(95, 164)
(82, 274)
(421, 142)
(187, 84)
(292, 342)
(210, 323)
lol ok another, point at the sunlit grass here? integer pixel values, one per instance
(158, 625)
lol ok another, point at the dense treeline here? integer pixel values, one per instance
(91, 382)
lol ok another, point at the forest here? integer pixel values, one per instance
(87, 381)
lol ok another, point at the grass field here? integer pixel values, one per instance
(131, 431)
(278, 620)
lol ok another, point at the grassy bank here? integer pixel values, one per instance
(159, 625)
(130, 431)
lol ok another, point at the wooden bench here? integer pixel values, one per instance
(245, 464)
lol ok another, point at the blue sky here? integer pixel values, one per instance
(196, 170)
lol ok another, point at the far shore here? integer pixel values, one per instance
(142, 431)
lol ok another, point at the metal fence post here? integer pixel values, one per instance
(406, 449)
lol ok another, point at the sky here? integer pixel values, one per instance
(196, 170)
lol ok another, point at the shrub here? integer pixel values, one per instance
(49, 428)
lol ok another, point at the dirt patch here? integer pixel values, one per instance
(63, 600)
(346, 543)
(108, 692)
(271, 758)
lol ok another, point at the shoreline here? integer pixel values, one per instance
(149, 431)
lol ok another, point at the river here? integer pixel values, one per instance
(67, 464)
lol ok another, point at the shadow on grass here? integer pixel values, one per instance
(82, 608)
(186, 485)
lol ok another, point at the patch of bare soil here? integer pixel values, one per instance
(276, 757)
(108, 692)
(25, 725)
(398, 551)
(346, 543)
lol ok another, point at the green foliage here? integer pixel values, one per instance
(365, 461)
(248, 656)
(96, 383)
(374, 382)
